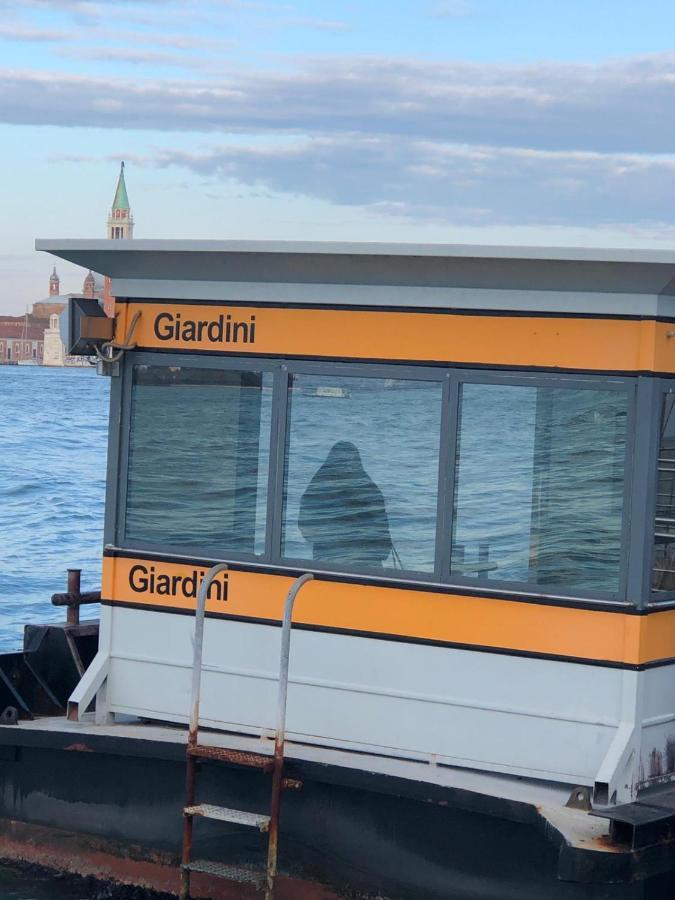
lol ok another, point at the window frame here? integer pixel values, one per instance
(450, 378)
(656, 599)
(403, 372)
(561, 382)
(197, 362)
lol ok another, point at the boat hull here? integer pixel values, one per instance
(74, 794)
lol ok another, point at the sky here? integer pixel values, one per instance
(448, 121)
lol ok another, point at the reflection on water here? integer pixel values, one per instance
(539, 473)
(540, 481)
(198, 458)
(395, 427)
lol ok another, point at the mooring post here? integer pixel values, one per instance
(74, 587)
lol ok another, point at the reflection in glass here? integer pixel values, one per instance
(198, 458)
(361, 479)
(342, 501)
(539, 486)
(664, 553)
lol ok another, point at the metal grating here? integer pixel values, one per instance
(223, 814)
(237, 757)
(228, 871)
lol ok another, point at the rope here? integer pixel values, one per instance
(121, 347)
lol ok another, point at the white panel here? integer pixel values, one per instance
(392, 295)
(658, 725)
(539, 717)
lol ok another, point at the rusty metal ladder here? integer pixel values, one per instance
(275, 765)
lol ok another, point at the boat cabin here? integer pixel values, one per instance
(471, 448)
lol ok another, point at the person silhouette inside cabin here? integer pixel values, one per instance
(342, 512)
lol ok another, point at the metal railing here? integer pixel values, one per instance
(280, 733)
(280, 736)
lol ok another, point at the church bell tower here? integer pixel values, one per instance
(120, 220)
(54, 284)
(120, 227)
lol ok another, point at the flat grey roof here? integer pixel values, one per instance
(564, 279)
(76, 246)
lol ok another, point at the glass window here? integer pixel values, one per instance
(198, 457)
(361, 475)
(664, 556)
(539, 486)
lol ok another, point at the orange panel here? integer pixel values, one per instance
(657, 638)
(587, 344)
(399, 612)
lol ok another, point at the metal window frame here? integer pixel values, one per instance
(636, 549)
(403, 372)
(655, 599)
(559, 381)
(125, 403)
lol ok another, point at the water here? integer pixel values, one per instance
(53, 444)
(53, 436)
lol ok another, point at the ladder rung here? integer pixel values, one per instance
(238, 757)
(238, 816)
(242, 874)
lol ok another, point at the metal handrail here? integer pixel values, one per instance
(280, 736)
(193, 729)
(200, 614)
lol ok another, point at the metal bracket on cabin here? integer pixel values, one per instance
(580, 798)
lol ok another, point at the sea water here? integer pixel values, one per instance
(53, 437)
(53, 445)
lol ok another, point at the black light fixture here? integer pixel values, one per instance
(88, 327)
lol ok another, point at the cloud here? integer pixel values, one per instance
(80, 8)
(451, 9)
(546, 144)
(136, 56)
(461, 185)
(623, 105)
(319, 24)
(24, 32)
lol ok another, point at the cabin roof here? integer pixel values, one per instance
(564, 279)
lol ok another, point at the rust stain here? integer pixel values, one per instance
(670, 755)
(655, 763)
(604, 842)
(80, 748)
(130, 864)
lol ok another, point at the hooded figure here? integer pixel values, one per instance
(342, 512)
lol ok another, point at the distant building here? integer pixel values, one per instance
(21, 338)
(54, 353)
(36, 335)
(54, 303)
(120, 227)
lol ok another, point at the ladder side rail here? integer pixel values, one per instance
(193, 728)
(198, 649)
(280, 736)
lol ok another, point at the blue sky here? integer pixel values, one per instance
(499, 121)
